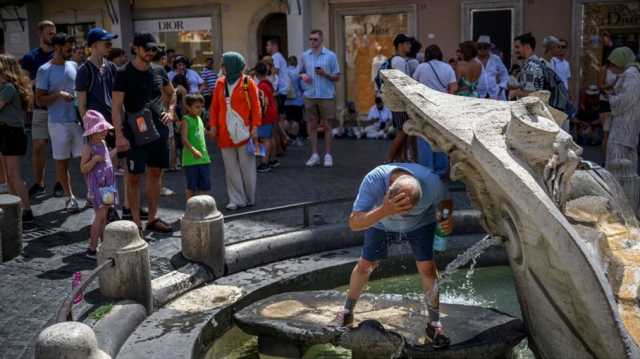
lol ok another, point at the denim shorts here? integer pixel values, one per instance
(421, 241)
(198, 178)
(265, 131)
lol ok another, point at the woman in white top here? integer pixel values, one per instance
(434, 73)
(606, 80)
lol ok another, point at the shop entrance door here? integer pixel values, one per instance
(495, 23)
(273, 26)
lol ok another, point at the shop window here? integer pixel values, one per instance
(78, 30)
(190, 37)
(368, 43)
(606, 26)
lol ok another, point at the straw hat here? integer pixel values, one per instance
(94, 122)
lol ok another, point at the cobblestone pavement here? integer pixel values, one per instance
(34, 285)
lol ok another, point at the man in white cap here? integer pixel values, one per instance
(551, 49)
(494, 79)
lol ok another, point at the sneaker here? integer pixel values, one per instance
(57, 190)
(36, 189)
(314, 160)
(164, 191)
(91, 254)
(263, 168)
(4, 188)
(328, 160)
(435, 336)
(343, 319)
(232, 206)
(27, 216)
(72, 205)
(274, 164)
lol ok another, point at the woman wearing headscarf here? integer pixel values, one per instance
(622, 148)
(242, 94)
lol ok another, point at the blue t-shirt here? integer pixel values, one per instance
(54, 78)
(99, 95)
(32, 60)
(375, 185)
(320, 87)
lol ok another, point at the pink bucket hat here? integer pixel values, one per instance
(94, 122)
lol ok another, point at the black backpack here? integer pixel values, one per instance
(385, 66)
(559, 95)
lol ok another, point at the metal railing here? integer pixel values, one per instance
(305, 206)
(65, 312)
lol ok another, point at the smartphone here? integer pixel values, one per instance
(318, 68)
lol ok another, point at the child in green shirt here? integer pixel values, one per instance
(195, 157)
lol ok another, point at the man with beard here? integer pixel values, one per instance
(531, 78)
(143, 89)
(55, 88)
(31, 62)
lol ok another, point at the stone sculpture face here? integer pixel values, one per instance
(572, 240)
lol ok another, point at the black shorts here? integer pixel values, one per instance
(399, 118)
(154, 154)
(281, 100)
(605, 107)
(13, 141)
(294, 113)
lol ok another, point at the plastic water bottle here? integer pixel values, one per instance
(75, 282)
(440, 238)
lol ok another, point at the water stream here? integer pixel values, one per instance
(491, 287)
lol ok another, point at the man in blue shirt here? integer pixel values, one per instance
(399, 200)
(31, 62)
(55, 89)
(319, 72)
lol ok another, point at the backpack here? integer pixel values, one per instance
(559, 95)
(385, 66)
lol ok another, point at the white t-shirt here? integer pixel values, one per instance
(383, 115)
(402, 64)
(426, 75)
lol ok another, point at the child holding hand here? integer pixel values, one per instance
(96, 165)
(195, 157)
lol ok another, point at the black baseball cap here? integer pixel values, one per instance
(145, 39)
(401, 38)
(99, 34)
(62, 38)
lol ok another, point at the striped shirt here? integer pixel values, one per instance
(320, 87)
(210, 77)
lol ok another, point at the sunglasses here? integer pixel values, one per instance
(314, 39)
(484, 47)
(563, 46)
(151, 49)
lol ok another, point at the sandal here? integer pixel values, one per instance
(435, 336)
(160, 226)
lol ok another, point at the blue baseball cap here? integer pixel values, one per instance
(99, 34)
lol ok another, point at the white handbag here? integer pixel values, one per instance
(238, 132)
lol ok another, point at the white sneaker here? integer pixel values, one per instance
(314, 160)
(72, 205)
(232, 206)
(164, 191)
(328, 160)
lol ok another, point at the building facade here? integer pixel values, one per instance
(360, 32)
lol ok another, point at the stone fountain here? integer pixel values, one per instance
(571, 237)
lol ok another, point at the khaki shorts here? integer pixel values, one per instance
(320, 109)
(39, 128)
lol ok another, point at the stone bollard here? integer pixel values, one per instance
(130, 277)
(203, 234)
(68, 340)
(11, 226)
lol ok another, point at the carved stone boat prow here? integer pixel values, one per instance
(571, 238)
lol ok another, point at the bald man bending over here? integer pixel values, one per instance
(399, 200)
